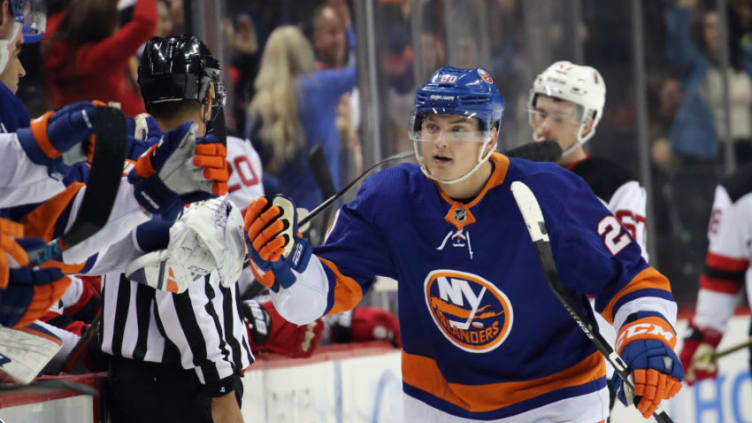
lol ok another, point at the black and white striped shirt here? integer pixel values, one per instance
(200, 329)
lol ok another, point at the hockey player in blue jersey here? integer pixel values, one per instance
(484, 338)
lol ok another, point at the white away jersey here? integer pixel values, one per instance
(620, 192)
(729, 251)
(245, 172)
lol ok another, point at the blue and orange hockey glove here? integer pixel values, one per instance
(646, 343)
(143, 132)
(30, 292)
(51, 138)
(698, 344)
(180, 169)
(277, 250)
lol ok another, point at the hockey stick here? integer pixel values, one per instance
(536, 226)
(101, 187)
(322, 173)
(540, 151)
(323, 206)
(711, 357)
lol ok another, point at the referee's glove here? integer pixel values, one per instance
(278, 252)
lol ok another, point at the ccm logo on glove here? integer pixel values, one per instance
(649, 328)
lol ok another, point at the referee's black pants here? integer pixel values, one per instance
(144, 392)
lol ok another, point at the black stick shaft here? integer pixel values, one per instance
(321, 207)
(536, 225)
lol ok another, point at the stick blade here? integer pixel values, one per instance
(530, 210)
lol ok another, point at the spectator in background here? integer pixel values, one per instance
(164, 19)
(332, 32)
(87, 55)
(293, 110)
(178, 16)
(333, 37)
(242, 42)
(694, 48)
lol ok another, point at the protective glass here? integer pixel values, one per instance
(539, 117)
(460, 129)
(33, 15)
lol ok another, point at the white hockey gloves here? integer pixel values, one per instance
(208, 236)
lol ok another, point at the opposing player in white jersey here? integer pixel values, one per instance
(244, 184)
(726, 265)
(566, 104)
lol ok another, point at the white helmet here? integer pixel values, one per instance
(582, 85)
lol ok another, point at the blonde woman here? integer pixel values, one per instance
(294, 109)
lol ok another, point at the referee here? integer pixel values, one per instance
(174, 357)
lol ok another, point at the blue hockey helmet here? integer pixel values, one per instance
(32, 14)
(471, 93)
(467, 92)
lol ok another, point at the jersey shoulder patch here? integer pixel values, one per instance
(603, 176)
(738, 183)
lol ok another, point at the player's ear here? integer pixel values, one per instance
(207, 104)
(494, 140)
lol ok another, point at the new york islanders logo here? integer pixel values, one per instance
(471, 312)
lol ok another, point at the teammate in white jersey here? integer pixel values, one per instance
(726, 268)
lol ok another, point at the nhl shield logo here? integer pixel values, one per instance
(471, 312)
(460, 214)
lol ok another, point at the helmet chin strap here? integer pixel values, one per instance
(481, 159)
(581, 140)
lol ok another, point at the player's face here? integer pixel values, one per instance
(450, 145)
(556, 120)
(14, 70)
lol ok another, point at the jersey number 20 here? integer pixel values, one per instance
(609, 228)
(236, 166)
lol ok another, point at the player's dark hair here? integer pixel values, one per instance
(172, 109)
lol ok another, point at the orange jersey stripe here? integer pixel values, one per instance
(726, 264)
(40, 334)
(347, 292)
(68, 269)
(423, 373)
(720, 285)
(40, 222)
(501, 166)
(647, 279)
(39, 130)
(647, 328)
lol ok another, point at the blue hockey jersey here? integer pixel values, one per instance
(483, 335)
